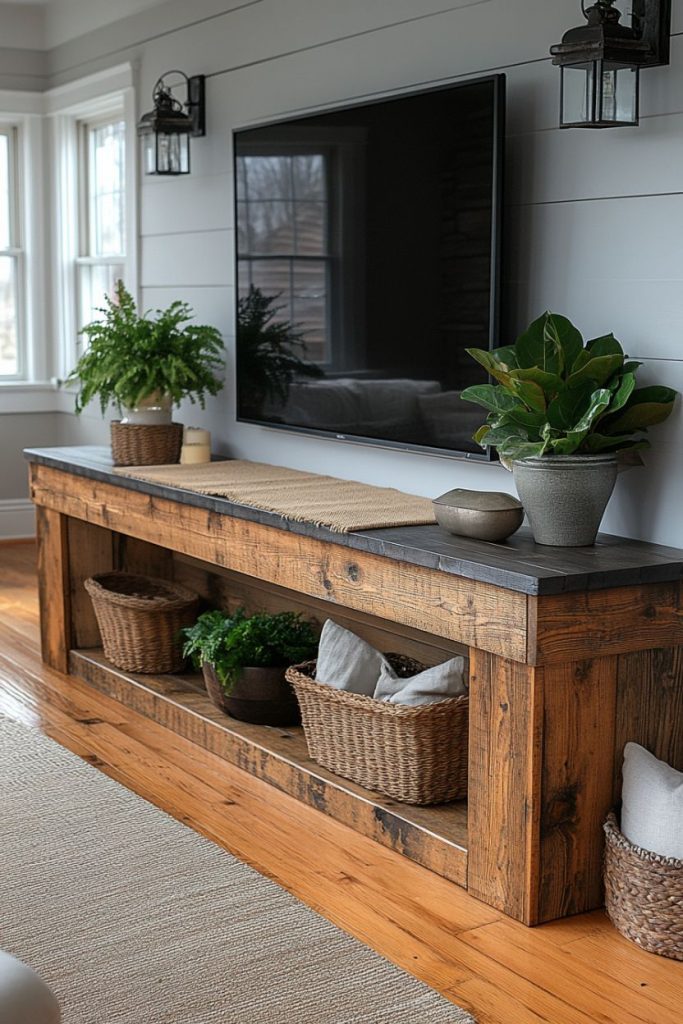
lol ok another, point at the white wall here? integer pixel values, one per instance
(594, 218)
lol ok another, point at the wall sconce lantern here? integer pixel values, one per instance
(166, 130)
(600, 62)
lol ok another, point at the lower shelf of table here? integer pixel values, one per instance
(435, 837)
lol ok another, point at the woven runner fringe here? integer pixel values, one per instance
(344, 506)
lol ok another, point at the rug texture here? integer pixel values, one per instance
(132, 918)
(342, 505)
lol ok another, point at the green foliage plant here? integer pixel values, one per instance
(556, 395)
(270, 351)
(131, 356)
(233, 642)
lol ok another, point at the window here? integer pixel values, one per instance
(11, 303)
(284, 238)
(102, 214)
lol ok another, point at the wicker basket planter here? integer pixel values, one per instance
(417, 755)
(145, 444)
(140, 619)
(643, 894)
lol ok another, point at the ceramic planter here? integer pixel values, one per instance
(260, 695)
(565, 496)
(155, 409)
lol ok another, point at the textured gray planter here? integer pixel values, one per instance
(565, 496)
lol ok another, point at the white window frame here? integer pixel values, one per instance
(100, 98)
(15, 249)
(85, 258)
(22, 113)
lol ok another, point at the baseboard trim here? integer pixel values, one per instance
(17, 519)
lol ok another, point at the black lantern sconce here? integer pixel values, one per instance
(600, 62)
(166, 130)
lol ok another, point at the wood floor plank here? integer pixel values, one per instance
(574, 971)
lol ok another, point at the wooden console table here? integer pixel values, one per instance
(572, 653)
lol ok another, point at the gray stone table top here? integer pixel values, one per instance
(516, 564)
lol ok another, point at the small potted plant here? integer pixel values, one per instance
(562, 415)
(145, 364)
(243, 659)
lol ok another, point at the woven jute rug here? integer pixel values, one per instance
(132, 918)
(342, 505)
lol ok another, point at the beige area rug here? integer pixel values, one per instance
(132, 918)
(342, 505)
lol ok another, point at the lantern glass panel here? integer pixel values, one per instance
(618, 94)
(173, 153)
(578, 94)
(149, 153)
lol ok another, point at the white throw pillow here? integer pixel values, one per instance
(347, 662)
(428, 687)
(652, 803)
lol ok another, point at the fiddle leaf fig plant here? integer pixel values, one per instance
(556, 394)
(130, 356)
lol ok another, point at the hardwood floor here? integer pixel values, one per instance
(574, 971)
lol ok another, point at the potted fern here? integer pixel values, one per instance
(562, 415)
(145, 364)
(243, 659)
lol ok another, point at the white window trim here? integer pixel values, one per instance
(105, 94)
(48, 359)
(22, 113)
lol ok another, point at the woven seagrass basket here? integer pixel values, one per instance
(145, 444)
(140, 619)
(643, 894)
(417, 755)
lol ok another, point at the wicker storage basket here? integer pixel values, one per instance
(643, 894)
(417, 755)
(140, 618)
(145, 444)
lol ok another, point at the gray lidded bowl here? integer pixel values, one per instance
(485, 515)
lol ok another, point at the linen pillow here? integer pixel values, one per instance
(652, 803)
(428, 687)
(346, 662)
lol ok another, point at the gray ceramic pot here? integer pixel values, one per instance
(565, 496)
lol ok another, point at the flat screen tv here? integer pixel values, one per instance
(367, 261)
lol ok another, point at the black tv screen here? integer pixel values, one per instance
(367, 261)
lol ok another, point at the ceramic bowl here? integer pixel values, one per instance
(485, 515)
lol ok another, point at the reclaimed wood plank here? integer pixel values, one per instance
(472, 613)
(53, 588)
(570, 627)
(650, 706)
(434, 837)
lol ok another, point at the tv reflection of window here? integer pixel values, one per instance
(284, 237)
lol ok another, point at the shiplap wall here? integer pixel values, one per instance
(593, 219)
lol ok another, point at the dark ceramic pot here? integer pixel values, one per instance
(261, 696)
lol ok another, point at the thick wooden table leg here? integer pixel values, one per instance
(541, 783)
(53, 587)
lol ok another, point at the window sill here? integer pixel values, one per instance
(22, 396)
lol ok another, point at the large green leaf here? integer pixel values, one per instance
(525, 419)
(645, 407)
(565, 411)
(491, 397)
(491, 365)
(506, 356)
(624, 391)
(530, 345)
(598, 370)
(531, 394)
(574, 437)
(612, 443)
(565, 338)
(551, 383)
(607, 345)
